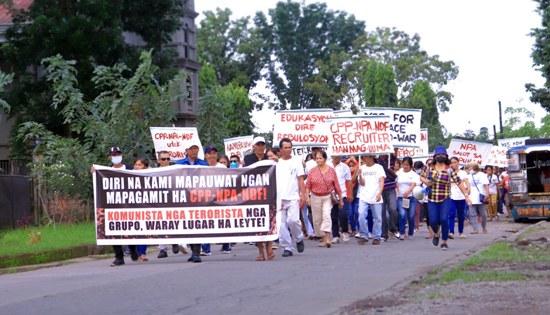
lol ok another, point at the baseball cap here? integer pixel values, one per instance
(210, 148)
(257, 140)
(440, 150)
(114, 150)
(193, 142)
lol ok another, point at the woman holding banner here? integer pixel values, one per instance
(439, 202)
(322, 181)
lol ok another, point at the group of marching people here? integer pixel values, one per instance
(370, 198)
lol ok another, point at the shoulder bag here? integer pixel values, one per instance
(333, 195)
(481, 196)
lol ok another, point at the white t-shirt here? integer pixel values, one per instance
(287, 173)
(404, 181)
(343, 172)
(479, 180)
(456, 194)
(372, 175)
(493, 182)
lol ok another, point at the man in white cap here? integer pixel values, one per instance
(258, 151)
(192, 153)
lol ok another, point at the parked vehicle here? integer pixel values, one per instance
(529, 172)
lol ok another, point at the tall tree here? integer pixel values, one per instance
(235, 48)
(300, 36)
(410, 63)
(541, 56)
(422, 96)
(380, 86)
(88, 31)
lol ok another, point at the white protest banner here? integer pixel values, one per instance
(302, 152)
(404, 124)
(497, 157)
(469, 151)
(358, 135)
(512, 142)
(301, 127)
(175, 140)
(185, 204)
(421, 152)
(239, 146)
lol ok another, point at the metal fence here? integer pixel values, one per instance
(15, 200)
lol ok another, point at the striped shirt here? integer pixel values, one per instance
(441, 187)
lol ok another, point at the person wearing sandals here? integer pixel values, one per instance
(321, 181)
(479, 186)
(439, 180)
(458, 206)
(406, 180)
(271, 155)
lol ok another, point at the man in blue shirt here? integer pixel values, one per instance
(192, 157)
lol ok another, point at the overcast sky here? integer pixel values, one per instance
(488, 40)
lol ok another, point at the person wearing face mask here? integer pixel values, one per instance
(479, 186)
(421, 206)
(115, 156)
(439, 201)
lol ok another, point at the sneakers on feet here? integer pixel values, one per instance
(361, 241)
(397, 235)
(451, 236)
(117, 262)
(335, 240)
(300, 246)
(175, 249)
(376, 242)
(195, 259)
(206, 254)
(134, 255)
(287, 253)
(435, 240)
(226, 251)
(162, 254)
(345, 237)
(444, 246)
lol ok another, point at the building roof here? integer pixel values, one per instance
(5, 14)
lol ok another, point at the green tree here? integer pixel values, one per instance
(518, 122)
(410, 63)
(121, 116)
(422, 96)
(88, 31)
(234, 48)
(483, 135)
(380, 86)
(300, 36)
(541, 56)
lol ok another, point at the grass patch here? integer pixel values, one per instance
(27, 241)
(481, 267)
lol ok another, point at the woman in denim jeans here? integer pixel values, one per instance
(352, 195)
(406, 180)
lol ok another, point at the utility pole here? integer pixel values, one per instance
(500, 120)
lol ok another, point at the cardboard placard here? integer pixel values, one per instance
(404, 124)
(497, 157)
(175, 140)
(421, 152)
(239, 146)
(512, 142)
(469, 151)
(302, 127)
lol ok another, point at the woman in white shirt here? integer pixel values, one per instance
(479, 186)
(458, 206)
(407, 179)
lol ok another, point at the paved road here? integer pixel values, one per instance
(318, 281)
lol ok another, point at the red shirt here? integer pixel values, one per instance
(322, 187)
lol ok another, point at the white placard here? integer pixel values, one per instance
(302, 127)
(512, 142)
(404, 124)
(175, 140)
(469, 151)
(239, 146)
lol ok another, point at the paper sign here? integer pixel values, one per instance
(421, 152)
(302, 152)
(404, 124)
(175, 140)
(469, 151)
(358, 135)
(302, 127)
(497, 157)
(512, 142)
(239, 146)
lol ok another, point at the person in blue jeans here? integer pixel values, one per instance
(371, 181)
(406, 180)
(458, 206)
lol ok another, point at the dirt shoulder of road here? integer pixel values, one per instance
(516, 282)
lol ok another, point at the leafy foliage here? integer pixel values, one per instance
(541, 56)
(120, 116)
(380, 87)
